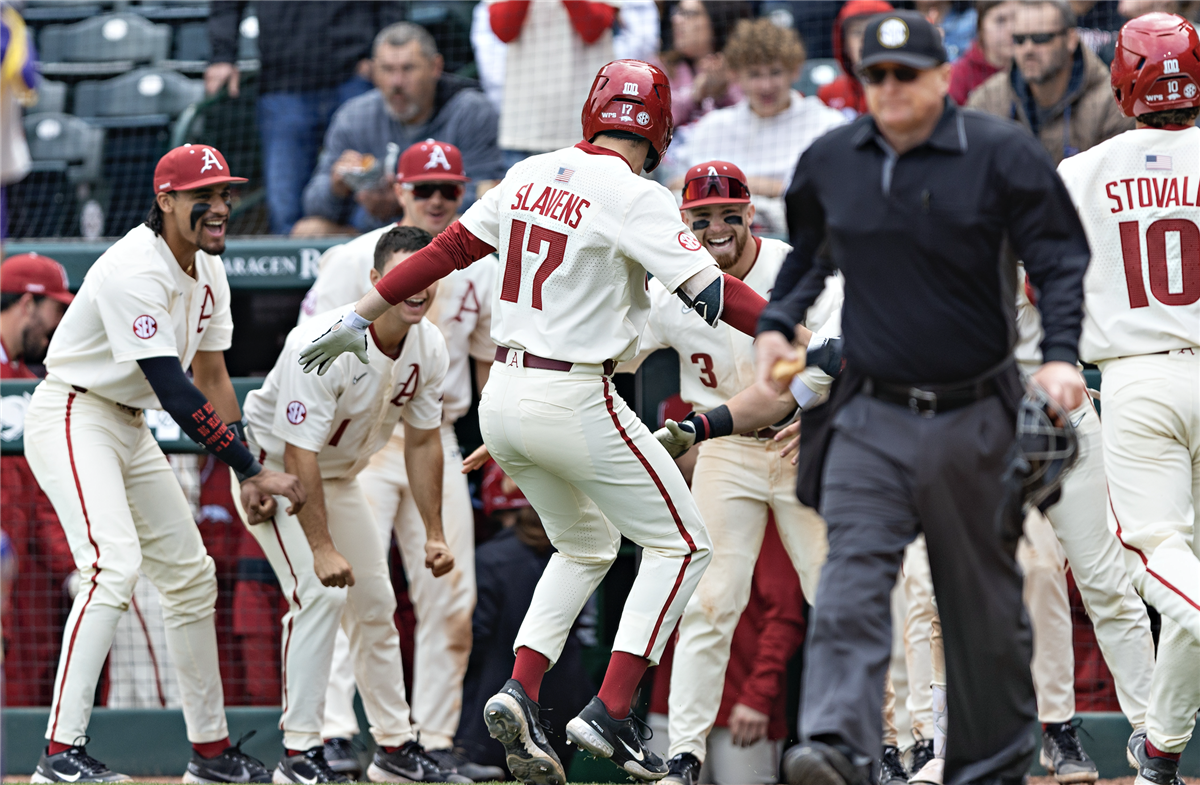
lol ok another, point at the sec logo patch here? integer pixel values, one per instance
(296, 412)
(688, 240)
(145, 327)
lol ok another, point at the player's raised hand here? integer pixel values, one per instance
(476, 460)
(677, 438)
(769, 348)
(339, 338)
(1063, 383)
(258, 494)
(438, 557)
(331, 567)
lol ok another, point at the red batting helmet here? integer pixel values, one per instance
(714, 182)
(632, 96)
(1156, 65)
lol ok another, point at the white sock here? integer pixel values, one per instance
(939, 720)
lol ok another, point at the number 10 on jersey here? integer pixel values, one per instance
(557, 249)
(1156, 250)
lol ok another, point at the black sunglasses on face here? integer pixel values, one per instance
(878, 74)
(1037, 38)
(449, 191)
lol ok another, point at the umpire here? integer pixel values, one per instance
(922, 207)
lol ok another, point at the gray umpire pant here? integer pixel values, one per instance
(889, 474)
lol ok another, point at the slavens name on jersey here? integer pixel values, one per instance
(557, 204)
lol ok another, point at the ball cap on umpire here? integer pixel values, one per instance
(192, 166)
(902, 37)
(36, 274)
(714, 182)
(431, 161)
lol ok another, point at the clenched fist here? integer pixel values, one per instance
(676, 437)
(331, 568)
(438, 558)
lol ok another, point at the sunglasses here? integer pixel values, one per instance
(722, 186)
(704, 223)
(449, 191)
(1037, 38)
(878, 74)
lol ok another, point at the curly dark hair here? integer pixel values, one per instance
(154, 218)
(1169, 117)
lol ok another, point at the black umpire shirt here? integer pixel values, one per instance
(922, 238)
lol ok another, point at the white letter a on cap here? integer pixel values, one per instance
(437, 157)
(210, 161)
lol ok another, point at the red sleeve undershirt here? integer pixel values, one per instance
(506, 17)
(742, 306)
(590, 19)
(453, 249)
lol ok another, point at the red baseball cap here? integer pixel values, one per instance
(36, 274)
(431, 161)
(715, 182)
(495, 496)
(192, 166)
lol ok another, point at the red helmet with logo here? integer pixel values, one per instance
(632, 96)
(1156, 65)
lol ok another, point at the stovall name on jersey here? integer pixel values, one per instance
(558, 204)
(1133, 192)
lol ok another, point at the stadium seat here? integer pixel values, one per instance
(192, 49)
(67, 154)
(52, 97)
(141, 92)
(108, 43)
(816, 74)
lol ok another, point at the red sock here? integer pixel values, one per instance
(211, 749)
(1155, 752)
(625, 670)
(529, 669)
(56, 748)
(389, 750)
(293, 753)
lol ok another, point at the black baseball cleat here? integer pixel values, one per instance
(922, 753)
(683, 769)
(1063, 756)
(307, 768)
(514, 720)
(619, 740)
(1151, 770)
(456, 760)
(74, 765)
(231, 765)
(409, 763)
(817, 763)
(891, 767)
(342, 756)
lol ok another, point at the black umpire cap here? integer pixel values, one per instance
(903, 37)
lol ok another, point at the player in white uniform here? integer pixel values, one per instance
(430, 182)
(577, 230)
(1136, 194)
(325, 429)
(155, 304)
(737, 480)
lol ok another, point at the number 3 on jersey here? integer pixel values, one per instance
(557, 249)
(1156, 250)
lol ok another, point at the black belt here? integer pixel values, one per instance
(131, 411)
(762, 433)
(929, 400)
(530, 360)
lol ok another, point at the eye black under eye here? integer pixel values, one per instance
(703, 223)
(733, 220)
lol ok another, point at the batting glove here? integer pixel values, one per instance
(676, 437)
(348, 335)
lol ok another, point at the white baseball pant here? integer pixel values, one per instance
(593, 471)
(443, 605)
(920, 614)
(726, 763)
(140, 672)
(122, 510)
(1152, 454)
(365, 610)
(737, 480)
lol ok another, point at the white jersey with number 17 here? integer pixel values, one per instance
(576, 231)
(1137, 195)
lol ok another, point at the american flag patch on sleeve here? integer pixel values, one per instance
(564, 174)
(1159, 162)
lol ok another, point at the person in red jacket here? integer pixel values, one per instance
(33, 298)
(745, 744)
(846, 93)
(991, 50)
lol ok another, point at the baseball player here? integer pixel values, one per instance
(325, 429)
(578, 230)
(430, 182)
(155, 304)
(1136, 195)
(739, 479)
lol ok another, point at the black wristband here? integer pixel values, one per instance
(254, 468)
(712, 424)
(239, 431)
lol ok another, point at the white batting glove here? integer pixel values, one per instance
(348, 335)
(677, 438)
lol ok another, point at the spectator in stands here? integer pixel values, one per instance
(812, 20)
(991, 50)
(700, 80)
(554, 52)
(1055, 87)
(313, 59)
(413, 100)
(33, 298)
(846, 93)
(18, 78)
(955, 21)
(507, 568)
(766, 131)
